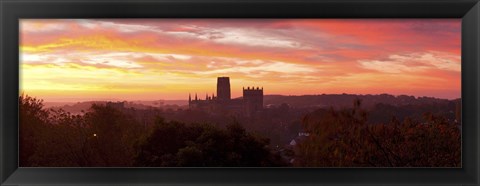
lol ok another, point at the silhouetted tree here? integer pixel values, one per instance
(177, 144)
(60, 141)
(103, 136)
(112, 136)
(344, 139)
(32, 122)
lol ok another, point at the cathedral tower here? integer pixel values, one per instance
(223, 89)
(252, 100)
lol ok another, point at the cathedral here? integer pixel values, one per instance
(248, 105)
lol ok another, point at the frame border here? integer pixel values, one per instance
(11, 11)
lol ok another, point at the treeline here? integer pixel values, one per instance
(106, 137)
(343, 138)
(339, 101)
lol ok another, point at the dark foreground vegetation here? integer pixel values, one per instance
(106, 137)
(344, 139)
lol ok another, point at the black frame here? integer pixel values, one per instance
(12, 10)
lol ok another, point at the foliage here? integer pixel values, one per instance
(55, 138)
(177, 144)
(106, 137)
(116, 135)
(344, 139)
(32, 122)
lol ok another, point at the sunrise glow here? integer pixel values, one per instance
(149, 59)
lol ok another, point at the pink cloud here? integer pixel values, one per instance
(273, 49)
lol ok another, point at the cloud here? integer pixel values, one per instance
(224, 35)
(170, 56)
(120, 60)
(239, 36)
(265, 67)
(414, 62)
(32, 26)
(389, 66)
(277, 53)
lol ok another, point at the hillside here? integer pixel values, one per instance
(346, 100)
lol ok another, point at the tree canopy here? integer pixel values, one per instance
(104, 137)
(342, 138)
(205, 145)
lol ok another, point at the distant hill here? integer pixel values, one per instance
(74, 108)
(157, 103)
(78, 107)
(320, 101)
(346, 100)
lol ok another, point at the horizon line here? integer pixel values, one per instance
(131, 100)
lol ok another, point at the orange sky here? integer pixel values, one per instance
(149, 59)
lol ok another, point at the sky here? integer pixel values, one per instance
(73, 60)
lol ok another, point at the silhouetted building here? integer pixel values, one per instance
(223, 88)
(251, 102)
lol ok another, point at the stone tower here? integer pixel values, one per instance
(223, 89)
(252, 100)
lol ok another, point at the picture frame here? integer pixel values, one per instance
(12, 11)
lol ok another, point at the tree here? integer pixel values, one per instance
(345, 139)
(60, 141)
(32, 121)
(177, 144)
(103, 136)
(112, 136)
